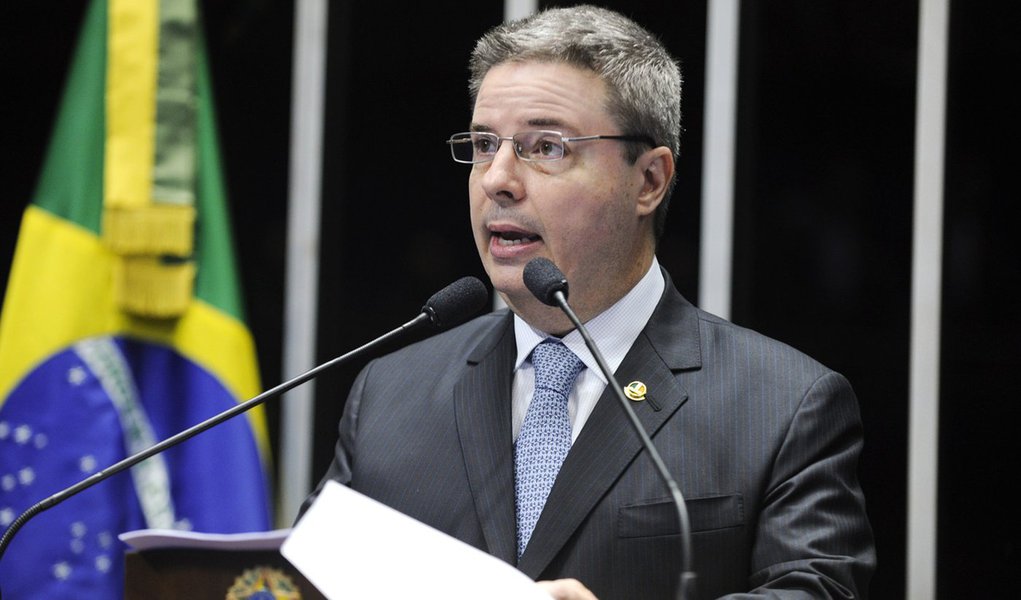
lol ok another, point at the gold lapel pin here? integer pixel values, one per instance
(635, 391)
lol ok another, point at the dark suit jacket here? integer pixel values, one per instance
(762, 440)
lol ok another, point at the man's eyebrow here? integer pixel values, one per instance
(546, 123)
(480, 127)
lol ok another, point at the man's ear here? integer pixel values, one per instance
(657, 169)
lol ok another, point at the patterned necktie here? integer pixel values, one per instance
(545, 434)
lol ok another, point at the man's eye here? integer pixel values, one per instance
(548, 148)
(483, 145)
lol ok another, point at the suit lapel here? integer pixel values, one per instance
(482, 407)
(607, 444)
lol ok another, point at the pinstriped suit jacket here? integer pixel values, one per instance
(762, 440)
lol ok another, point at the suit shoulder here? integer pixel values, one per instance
(452, 345)
(719, 335)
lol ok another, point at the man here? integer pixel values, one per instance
(572, 146)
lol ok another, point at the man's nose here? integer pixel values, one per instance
(502, 179)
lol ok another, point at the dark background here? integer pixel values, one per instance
(823, 218)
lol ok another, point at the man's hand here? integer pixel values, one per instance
(567, 589)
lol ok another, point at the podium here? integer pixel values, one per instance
(350, 545)
(173, 568)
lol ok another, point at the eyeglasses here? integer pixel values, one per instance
(474, 147)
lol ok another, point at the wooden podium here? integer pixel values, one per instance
(199, 573)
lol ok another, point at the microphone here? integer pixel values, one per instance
(548, 284)
(450, 306)
(456, 303)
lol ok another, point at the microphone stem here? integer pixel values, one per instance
(687, 577)
(192, 431)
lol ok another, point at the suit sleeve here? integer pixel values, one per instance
(343, 455)
(813, 538)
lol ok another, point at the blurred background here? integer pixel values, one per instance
(823, 208)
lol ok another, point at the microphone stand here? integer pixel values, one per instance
(449, 306)
(687, 576)
(548, 284)
(5, 541)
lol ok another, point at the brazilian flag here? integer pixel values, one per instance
(122, 322)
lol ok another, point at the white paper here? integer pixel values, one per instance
(350, 546)
(150, 539)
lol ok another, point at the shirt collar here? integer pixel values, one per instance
(614, 330)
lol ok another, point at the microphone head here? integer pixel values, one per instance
(457, 302)
(544, 280)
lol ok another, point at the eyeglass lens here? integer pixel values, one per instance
(480, 146)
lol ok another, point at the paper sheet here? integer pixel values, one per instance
(350, 546)
(149, 539)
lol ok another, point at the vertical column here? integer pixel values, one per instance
(926, 290)
(715, 262)
(518, 9)
(302, 277)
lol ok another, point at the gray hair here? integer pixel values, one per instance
(642, 79)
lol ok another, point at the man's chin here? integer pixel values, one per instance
(506, 278)
(515, 294)
(514, 297)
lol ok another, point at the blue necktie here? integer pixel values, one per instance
(545, 436)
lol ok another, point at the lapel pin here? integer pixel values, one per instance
(635, 391)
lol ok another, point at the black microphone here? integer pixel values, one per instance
(548, 284)
(452, 305)
(456, 303)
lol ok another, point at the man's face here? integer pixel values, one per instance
(581, 212)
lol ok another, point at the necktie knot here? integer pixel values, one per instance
(556, 367)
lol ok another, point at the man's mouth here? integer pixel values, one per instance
(514, 238)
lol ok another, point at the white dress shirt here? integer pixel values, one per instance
(614, 331)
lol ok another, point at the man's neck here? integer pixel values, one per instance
(553, 321)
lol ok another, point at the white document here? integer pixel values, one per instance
(161, 539)
(350, 546)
